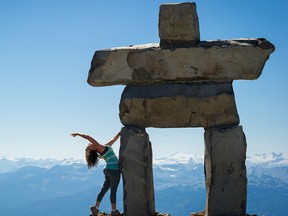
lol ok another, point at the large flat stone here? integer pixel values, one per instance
(213, 61)
(179, 105)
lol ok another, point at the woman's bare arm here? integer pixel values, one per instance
(93, 143)
(113, 140)
(84, 136)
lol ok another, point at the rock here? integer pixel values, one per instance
(208, 61)
(179, 105)
(225, 171)
(161, 214)
(198, 213)
(183, 82)
(203, 214)
(178, 24)
(104, 214)
(135, 161)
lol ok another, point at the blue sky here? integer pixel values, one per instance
(45, 52)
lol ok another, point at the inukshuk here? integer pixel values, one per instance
(182, 82)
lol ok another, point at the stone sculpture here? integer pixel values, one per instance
(182, 82)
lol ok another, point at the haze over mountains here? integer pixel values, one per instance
(66, 187)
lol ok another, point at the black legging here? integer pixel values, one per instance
(112, 179)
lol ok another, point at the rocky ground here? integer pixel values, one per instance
(156, 214)
(165, 214)
(203, 214)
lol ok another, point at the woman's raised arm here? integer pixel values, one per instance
(93, 143)
(87, 137)
(113, 140)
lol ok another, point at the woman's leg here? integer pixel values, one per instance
(104, 189)
(114, 176)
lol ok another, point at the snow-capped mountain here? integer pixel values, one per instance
(37, 186)
(271, 159)
(8, 164)
(179, 158)
(265, 168)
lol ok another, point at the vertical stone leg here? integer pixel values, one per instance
(135, 160)
(225, 171)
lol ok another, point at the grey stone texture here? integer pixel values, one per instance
(135, 160)
(178, 24)
(225, 171)
(179, 105)
(208, 61)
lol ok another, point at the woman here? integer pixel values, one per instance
(94, 151)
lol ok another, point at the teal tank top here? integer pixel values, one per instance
(111, 159)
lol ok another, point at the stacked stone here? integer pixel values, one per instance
(182, 82)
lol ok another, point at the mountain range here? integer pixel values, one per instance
(66, 187)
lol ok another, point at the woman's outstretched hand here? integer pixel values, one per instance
(74, 134)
